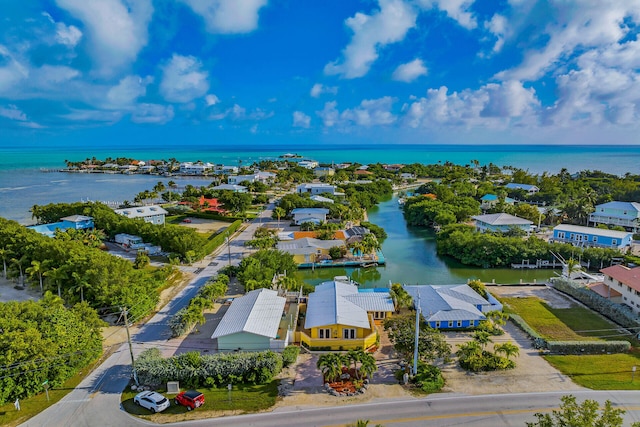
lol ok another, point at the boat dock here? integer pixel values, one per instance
(541, 263)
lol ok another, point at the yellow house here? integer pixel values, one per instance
(339, 317)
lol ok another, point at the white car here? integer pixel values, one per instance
(153, 401)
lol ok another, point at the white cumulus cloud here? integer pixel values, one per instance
(128, 90)
(117, 30)
(459, 10)
(67, 35)
(410, 71)
(228, 16)
(371, 32)
(152, 113)
(211, 99)
(301, 120)
(370, 112)
(318, 89)
(183, 79)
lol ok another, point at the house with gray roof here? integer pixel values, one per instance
(451, 306)
(252, 323)
(625, 214)
(578, 235)
(151, 214)
(314, 215)
(501, 222)
(531, 189)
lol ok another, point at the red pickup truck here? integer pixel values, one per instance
(191, 399)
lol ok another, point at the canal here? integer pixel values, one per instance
(410, 253)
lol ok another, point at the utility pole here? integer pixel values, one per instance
(415, 350)
(133, 363)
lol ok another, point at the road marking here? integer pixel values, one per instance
(75, 401)
(469, 414)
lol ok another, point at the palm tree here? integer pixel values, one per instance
(278, 212)
(367, 364)
(18, 262)
(4, 254)
(508, 349)
(482, 338)
(81, 282)
(353, 356)
(37, 269)
(370, 244)
(57, 275)
(357, 248)
(330, 364)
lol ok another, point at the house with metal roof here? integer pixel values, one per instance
(76, 222)
(339, 317)
(626, 281)
(581, 236)
(320, 199)
(531, 189)
(451, 306)
(490, 200)
(625, 214)
(151, 214)
(501, 222)
(314, 215)
(252, 323)
(308, 249)
(231, 187)
(316, 188)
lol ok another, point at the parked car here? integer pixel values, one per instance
(191, 399)
(187, 220)
(153, 401)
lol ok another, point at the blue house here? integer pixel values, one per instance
(591, 237)
(531, 189)
(501, 222)
(625, 214)
(451, 306)
(76, 222)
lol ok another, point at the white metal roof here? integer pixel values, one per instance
(592, 230)
(372, 301)
(502, 219)
(448, 302)
(141, 211)
(258, 312)
(327, 305)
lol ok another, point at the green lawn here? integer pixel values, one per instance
(563, 324)
(242, 399)
(599, 372)
(34, 405)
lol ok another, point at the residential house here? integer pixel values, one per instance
(237, 179)
(226, 170)
(501, 222)
(151, 214)
(316, 188)
(626, 281)
(531, 189)
(451, 306)
(314, 215)
(210, 205)
(190, 168)
(407, 175)
(490, 200)
(339, 317)
(317, 198)
(625, 214)
(75, 222)
(591, 237)
(324, 171)
(231, 187)
(252, 323)
(308, 164)
(309, 250)
(606, 291)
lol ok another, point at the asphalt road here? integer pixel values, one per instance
(96, 401)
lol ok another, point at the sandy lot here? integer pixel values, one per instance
(8, 292)
(205, 225)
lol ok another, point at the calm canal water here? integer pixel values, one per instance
(411, 258)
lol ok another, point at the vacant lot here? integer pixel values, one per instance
(205, 226)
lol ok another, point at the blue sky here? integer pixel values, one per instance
(119, 72)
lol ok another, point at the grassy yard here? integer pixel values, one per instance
(36, 404)
(219, 401)
(563, 324)
(606, 372)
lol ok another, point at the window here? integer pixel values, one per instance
(379, 314)
(459, 324)
(561, 235)
(595, 238)
(349, 334)
(438, 325)
(325, 333)
(451, 323)
(614, 242)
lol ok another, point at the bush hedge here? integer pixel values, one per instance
(588, 347)
(219, 238)
(194, 370)
(290, 355)
(538, 341)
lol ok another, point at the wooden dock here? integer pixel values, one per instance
(541, 263)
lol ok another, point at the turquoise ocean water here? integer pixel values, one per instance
(22, 185)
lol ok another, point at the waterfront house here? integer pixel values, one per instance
(75, 222)
(237, 179)
(591, 237)
(531, 189)
(308, 249)
(231, 187)
(308, 164)
(490, 200)
(316, 188)
(190, 168)
(501, 222)
(252, 323)
(626, 281)
(339, 317)
(314, 215)
(625, 214)
(451, 306)
(151, 214)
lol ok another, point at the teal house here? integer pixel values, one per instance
(625, 214)
(75, 222)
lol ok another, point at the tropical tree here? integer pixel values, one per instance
(584, 415)
(18, 262)
(367, 365)
(508, 349)
(57, 275)
(4, 254)
(370, 244)
(330, 364)
(278, 213)
(37, 269)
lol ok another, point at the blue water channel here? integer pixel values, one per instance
(411, 258)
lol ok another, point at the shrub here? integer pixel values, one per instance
(588, 347)
(290, 355)
(429, 378)
(538, 341)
